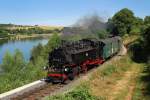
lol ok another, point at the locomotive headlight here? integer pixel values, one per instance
(86, 54)
(66, 69)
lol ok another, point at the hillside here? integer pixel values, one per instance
(9, 30)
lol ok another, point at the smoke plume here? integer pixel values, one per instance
(87, 25)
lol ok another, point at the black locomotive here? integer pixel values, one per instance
(74, 57)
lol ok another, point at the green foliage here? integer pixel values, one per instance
(82, 93)
(3, 33)
(18, 72)
(146, 39)
(135, 54)
(79, 93)
(53, 42)
(122, 22)
(36, 51)
(102, 34)
(19, 61)
(147, 20)
(13, 62)
(7, 62)
(109, 70)
(42, 52)
(135, 30)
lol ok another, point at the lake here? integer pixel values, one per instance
(25, 46)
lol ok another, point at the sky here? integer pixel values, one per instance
(65, 12)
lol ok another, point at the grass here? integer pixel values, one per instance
(79, 93)
(104, 79)
(127, 39)
(12, 80)
(142, 87)
(117, 80)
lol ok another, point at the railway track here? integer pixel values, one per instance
(49, 89)
(38, 91)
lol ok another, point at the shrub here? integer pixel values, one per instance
(109, 70)
(79, 93)
(135, 54)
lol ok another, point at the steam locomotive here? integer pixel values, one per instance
(74, 57)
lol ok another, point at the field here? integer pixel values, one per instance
(20, 31)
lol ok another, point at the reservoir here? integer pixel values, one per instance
(25, 46)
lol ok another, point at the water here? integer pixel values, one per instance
(25, 46)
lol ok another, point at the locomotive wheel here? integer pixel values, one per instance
(71, 76)
(63, 81)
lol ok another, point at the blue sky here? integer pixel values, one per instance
(64, 12)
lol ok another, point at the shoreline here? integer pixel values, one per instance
(19, 36)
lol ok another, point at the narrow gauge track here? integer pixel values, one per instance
(39, 93)
(49, 89)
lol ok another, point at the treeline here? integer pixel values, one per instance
(10, 29)
(125, 22)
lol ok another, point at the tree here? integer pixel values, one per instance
(102, 34)
(36, 51)
(138, 26)
(146, 23)
(147, 20)
(13, 62)
(122, 22)
(146, 36)
(53, 42)
(7, 62)
(18, 60)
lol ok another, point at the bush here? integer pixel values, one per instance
(13, 62)
(137, 52)
(79, 93)
(36, 51)
(102, 34)
(109, 70)
(17, 72)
